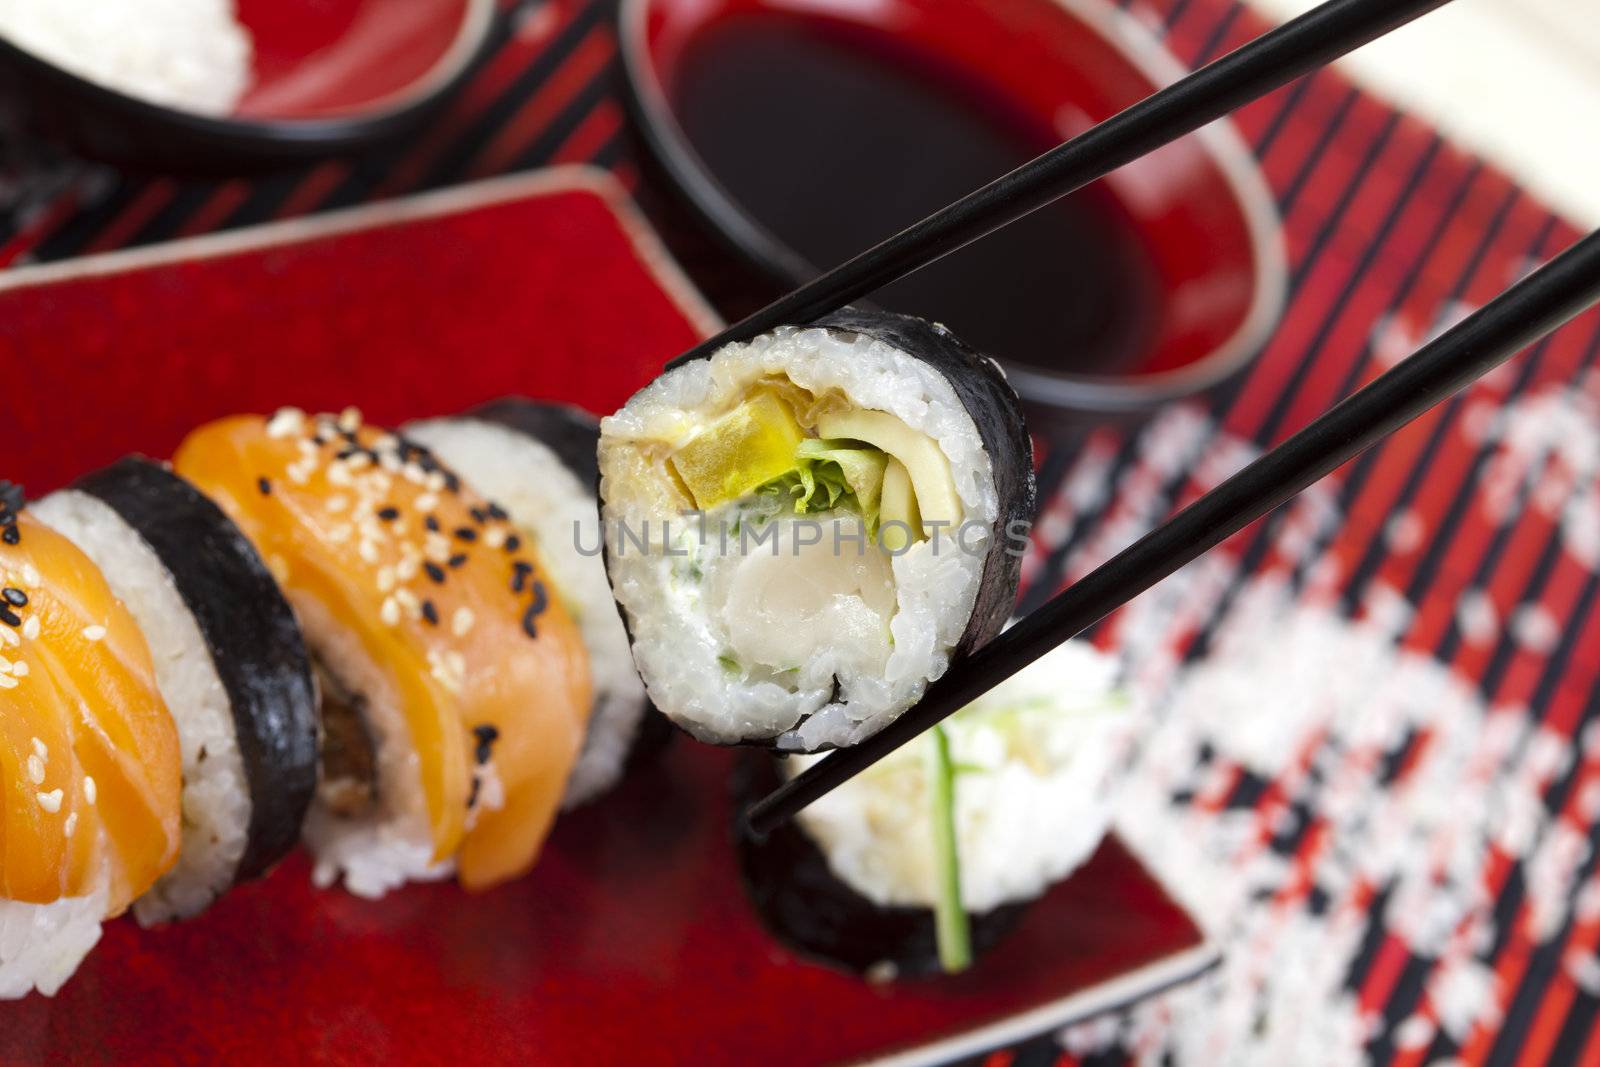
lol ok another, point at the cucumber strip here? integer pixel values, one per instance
(950, 916)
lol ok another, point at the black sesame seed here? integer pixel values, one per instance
(10, 536)
(9, 617)
(451, 482)
(458, 559)
(265, 486)
(15, 597)
(513, 543)
(541, 600)
(388, 514)
(466, 533)
(472, 797)
(497, 512)
(431, 523)
(479, 516)
(347, 453)
(487, 735)
(435, 572)
(430, 613)
(519, 575)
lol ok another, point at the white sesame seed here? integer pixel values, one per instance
(7, 682)
(20, 670)
(358, 462)
(35, 769)
(339, 474)
(41, 749)
(435, 481)
(461, 624)
(389, 461)
(385, 579)
(30, 629)
(287, 421)
(9, 638)
(30, 574)
(50, 801)
(414, 474)
(94, 633)
(5, 665)
(307, 447)
(71, 824)
(337, 504)
(495, 537)
(408, 600)
(90, 790)
(367, 551)
(299, 473)
(350, 419)
(456, 662)
(340, 534)
(427, 502)
(390, 612)
(407, 568)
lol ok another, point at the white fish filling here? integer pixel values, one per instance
(216, 794)
(1036, 763)
(561, 517)
(817, 648)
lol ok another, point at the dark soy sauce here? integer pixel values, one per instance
(833, 143)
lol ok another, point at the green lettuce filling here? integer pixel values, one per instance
(833, 474)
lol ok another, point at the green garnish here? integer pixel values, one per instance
(729, 664)
(831, 474)
(950, 916)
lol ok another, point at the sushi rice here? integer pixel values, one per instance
(1036, 773)
(216, 796)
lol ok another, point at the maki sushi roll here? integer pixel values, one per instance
(930, 857)
(804, 529)
(229, 663)
(455, 687)
(537, 462)
(89, 757)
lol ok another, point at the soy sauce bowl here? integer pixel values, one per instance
(329, 77)
(1183, 249)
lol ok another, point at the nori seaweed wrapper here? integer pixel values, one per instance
(805, 906)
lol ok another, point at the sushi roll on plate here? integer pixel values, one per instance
(89, 759)
(229, 662)
(804, 529)
(537, 462)
(455, 686)
(931, 856)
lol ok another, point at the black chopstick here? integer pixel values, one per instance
(1269, 62)
(1527, 311)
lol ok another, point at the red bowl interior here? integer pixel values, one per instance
(1055, 66)
(323, 58)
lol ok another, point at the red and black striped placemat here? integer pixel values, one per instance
(1462, 554)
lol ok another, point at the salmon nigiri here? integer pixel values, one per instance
(89, 757)
(455, 686)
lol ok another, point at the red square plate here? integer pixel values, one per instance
(631, 941)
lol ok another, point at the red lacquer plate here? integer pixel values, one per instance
(631, 941)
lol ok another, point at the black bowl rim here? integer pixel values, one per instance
(321, 134)
(1066, 393)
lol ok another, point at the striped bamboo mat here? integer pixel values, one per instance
(1371, 766)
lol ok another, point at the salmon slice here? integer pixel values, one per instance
(89, 758)
(433, 589)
